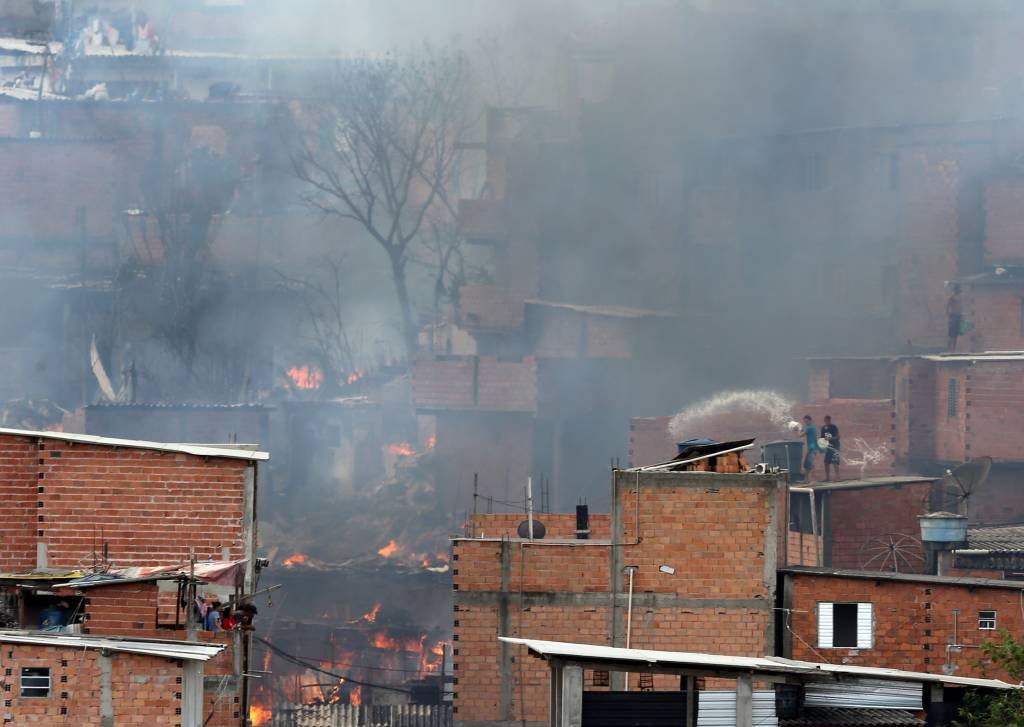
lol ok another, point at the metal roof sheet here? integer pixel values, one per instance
(738, 664)
(193, 449)
(998, 538)
(846, 717)
(887, 481)
(185, 650)
(909, 577)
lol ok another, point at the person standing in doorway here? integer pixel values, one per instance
(811, 437)
(830, 432)
(955, 316)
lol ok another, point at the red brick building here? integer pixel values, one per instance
(82, 516)
(49, 679)
(896, 620)
(702, 549)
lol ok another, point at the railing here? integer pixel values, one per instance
(347, 715)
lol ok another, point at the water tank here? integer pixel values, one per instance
(943, 527)
(787, 454)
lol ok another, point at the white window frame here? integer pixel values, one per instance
(984, 620)
(37, 682)
(826, 625)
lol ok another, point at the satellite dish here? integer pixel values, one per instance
(538, 529)
(959, 484)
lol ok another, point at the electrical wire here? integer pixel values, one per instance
(299, 661)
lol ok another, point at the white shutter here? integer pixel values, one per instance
(825, 625)
(865, 625)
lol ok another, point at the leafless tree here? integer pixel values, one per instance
(382, 151)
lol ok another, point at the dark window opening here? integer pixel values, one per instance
(844, 625)
(952, 396)
(35, 681)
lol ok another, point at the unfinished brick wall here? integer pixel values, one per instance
(144, 689)
(1004, 220)
(124, 610)
(475, 382)
(992, 411)
(913, 621)
(860, 521)
(995, 314)
(558, 525)
(721, 534)
(150, 507)
(916, 409)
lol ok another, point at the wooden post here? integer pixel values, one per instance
(691, 696)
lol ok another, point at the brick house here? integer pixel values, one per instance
(105, 529)
(702, 548)
(52, 679)
(895, 620)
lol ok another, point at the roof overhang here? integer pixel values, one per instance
(197, 450)
(769, 668)
(177, 650)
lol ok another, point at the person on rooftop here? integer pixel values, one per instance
(811, 437)
(213, 618)
(830, 433)
(955, 317)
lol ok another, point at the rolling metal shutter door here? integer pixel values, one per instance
(634, 709)
(718, 709)
(865, 694)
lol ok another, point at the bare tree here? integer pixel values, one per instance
(382, 151)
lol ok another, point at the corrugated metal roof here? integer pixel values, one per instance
(869, 482)
(985, 356)
(907, 577)
(864, 694)
(1000, 538)
(739, 664)
(194, 449)
(185, 650)
(718, 709)
(840, 717)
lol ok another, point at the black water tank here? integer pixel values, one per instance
(787, 454)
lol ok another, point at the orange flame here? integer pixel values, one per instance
(259, 715)
(370, 616)
(401, 448)
(432, 442)
(294, 559)
(58, 427)
(352, 378)
(388, 550)
(355, 697)
(306, 377)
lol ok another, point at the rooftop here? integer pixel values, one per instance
(888, 481)
(905, 577)
(842, 717)
(723, 666)
(197, 450)
(997, 538)
(185, 650)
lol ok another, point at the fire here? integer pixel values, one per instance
(352, 377)
(58, 427)
(371, 615)
(388, 550)
(306, 377)
(355, 697)
(401, 448)
(294, 559)
(432, 442)
(259, 715)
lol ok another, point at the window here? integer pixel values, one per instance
(987, 620)
(845, 625)
(952, 394)
(35, 681)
